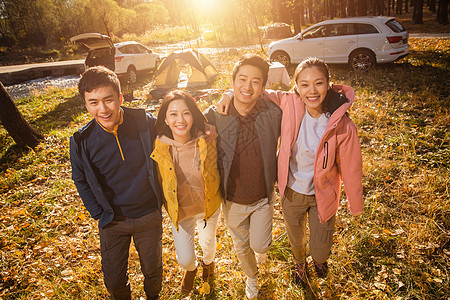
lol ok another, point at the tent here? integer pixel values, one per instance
(200, 71)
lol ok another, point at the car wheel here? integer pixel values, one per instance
(281, 57)
(362, 60)
(131, 75)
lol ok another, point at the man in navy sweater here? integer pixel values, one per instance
(114, 175)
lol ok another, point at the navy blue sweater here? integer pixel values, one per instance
(119, 164)
(113, 182)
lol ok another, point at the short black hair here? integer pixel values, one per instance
(252, 60)
(95, 77)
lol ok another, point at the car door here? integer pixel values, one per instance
(146, 57)
(137, 57)
(310, 44)
(340, 41)
(370, 37)
(126, 58)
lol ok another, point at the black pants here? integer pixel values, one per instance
(115, 239)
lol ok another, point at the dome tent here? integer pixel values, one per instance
(200, 70)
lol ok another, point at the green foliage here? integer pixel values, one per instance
(148, 16)
(161, 35)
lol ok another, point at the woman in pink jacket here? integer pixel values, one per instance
(312, 160)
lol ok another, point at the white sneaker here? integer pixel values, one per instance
(251, 288)
(261, 258)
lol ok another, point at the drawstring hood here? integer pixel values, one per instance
(188, 169)
(177, 148)
(189, 177)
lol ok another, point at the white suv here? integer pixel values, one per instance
(361, 42)
(126, 59)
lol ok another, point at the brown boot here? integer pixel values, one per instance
(188, 282)
(208, 272)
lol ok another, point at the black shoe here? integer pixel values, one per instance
(301, 274)
(321, 269)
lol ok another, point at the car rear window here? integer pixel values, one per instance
(366, 28)
(395, 26)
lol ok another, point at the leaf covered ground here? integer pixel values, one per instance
(398, 249)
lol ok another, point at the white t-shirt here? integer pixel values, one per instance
(301, 163)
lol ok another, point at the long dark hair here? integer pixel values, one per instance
(333, 100)
(199, 120)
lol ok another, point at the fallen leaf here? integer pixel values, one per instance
(380, 286)
(81, 216)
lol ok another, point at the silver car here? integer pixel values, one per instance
(361, 42)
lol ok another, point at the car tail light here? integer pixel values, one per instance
(118, 58)
(394, 39)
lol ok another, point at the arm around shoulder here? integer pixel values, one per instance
(210, 113)
(348, 91)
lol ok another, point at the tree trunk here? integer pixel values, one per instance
(418, 12)
(310, 12)
(342, 6)
(378, 8)
(432, 5)
(442, 14)
(362, 7)
(399, 8)
(330, 9)
(13, 121)
(296, 16)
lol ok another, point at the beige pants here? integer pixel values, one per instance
(250, 227)
(296, 208)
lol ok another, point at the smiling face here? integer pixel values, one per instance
(312, 85)
(180, 120)
(103, 103)
(248, 86)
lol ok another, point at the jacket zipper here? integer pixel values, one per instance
(118, 144)
(325, 155)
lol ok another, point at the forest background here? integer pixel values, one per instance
(398, 249)
(39, 30)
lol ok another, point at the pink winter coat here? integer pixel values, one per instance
(338, 155)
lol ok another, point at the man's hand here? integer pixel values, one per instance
(211, 132)
(223, 105)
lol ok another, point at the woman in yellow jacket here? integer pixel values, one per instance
(190, 180)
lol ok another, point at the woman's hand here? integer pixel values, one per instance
(223, 105)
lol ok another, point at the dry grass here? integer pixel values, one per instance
(398, 249)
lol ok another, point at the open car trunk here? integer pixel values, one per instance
(100, 49)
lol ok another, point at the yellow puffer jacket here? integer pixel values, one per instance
(166, 171)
